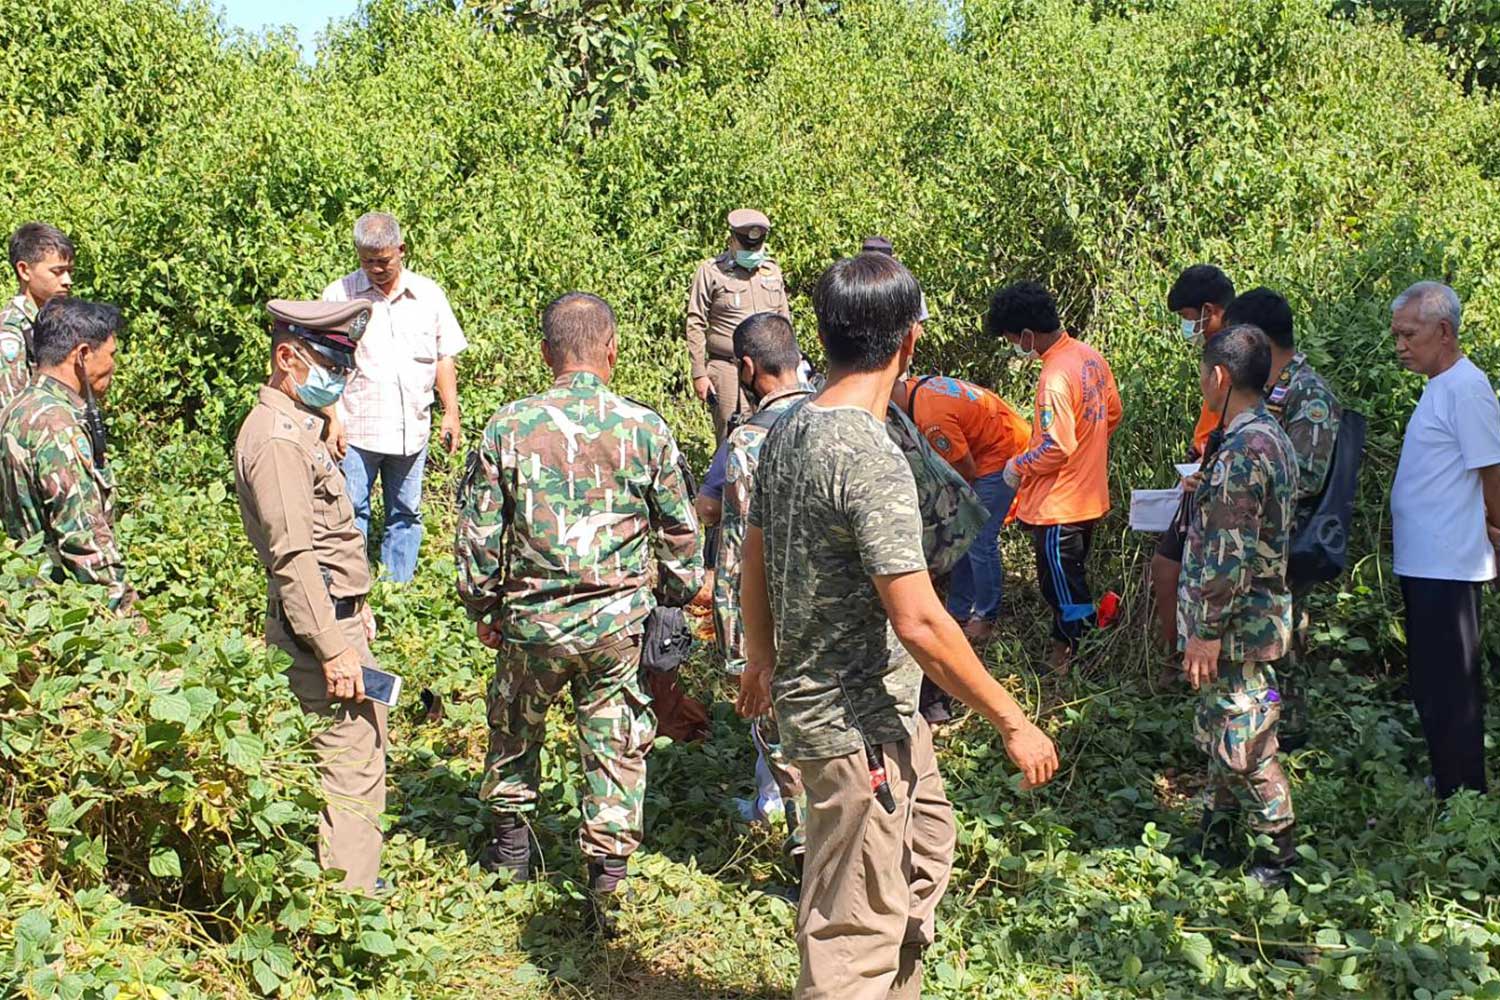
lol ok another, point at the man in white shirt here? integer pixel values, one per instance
(1445, 519)
(410, 347)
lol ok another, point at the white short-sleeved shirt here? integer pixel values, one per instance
(387, 406)
(1437, 502)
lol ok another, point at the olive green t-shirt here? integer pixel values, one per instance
(836, 503)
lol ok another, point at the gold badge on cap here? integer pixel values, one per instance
(357, 325)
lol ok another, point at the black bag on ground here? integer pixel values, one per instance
(1320, 551)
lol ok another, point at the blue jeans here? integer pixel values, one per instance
(978, 581)
(401, 485)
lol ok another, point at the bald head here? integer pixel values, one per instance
(578, 331)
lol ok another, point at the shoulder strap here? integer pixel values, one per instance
(766, 419)
(911, 397)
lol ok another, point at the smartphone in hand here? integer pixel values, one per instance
(382, 686)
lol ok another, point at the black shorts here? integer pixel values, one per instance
(1170, 543)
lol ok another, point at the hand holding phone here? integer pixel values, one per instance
(382, 686)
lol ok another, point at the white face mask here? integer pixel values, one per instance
(1190, 328)
(1030, 354)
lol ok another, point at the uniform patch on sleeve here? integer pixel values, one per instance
(1221, 471)
(1316, 411)
(1048, 416)
(81, 445)
(940, 441)
(10, 347)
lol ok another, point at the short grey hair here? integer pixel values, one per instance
(1435, 302)
(377, 231)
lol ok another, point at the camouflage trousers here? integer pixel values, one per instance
(767, 739)
(615, 730)
(1235, 725)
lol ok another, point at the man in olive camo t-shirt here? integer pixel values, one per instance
(838, 605)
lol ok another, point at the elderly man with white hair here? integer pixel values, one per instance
(409, 348)
(1445, 519)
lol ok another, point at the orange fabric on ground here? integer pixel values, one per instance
(959, 418)
(1065, 472)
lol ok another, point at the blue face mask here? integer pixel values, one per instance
(750, 259)
(322, 388)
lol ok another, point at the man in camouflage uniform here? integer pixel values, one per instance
(1299, 398)
(726, 290)
(54, 480)
(766, 351)
(1234, 610)
(42, 259)
(572, 510)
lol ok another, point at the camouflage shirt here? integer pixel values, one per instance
(1309, 413)
(836, 503)
(15, 347)
(739, 477)
(572, 509)
(1233, 584)
(49, 486)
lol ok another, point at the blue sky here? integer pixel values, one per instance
(308, 16)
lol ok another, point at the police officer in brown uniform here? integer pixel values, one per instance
(740, 282)
(301, 523)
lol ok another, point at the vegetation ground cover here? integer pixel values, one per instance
(156, 793)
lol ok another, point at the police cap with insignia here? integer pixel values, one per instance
(332, 329)
(749, 225)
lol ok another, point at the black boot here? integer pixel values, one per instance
(509, 848)
(1272, 867)
(1212, 840)
(606, 891)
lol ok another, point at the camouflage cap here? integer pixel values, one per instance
(330, 328)
(749, 224)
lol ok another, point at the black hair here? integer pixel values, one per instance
(66, 322)
(32, 240)
(1244, 351)
(578, 326)
(1199, 284)
(865, 305)
(767, 339)
(1266, 309)
(1025, 305)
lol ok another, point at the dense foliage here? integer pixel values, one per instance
(155, 797)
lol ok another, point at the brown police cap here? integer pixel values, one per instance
(331, 328)
(876, 244)
(750, 224)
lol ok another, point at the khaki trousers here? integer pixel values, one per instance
(350, 741)
(872, 880)
(728, 399)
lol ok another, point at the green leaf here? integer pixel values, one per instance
(1197, 950)
(265, 977)
(245, 751)
(164, 863)
(172, 707)
(377, 943)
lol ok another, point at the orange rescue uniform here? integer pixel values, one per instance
(1065, 471)
(961, 419)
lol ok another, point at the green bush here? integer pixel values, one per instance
(157, 790)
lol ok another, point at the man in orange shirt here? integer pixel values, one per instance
(1063, 476)
(1199, 297)
(977, 433)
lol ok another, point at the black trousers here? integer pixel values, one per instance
(1062, 553)
(1445, 677)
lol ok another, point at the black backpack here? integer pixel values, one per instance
(1320, 551)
